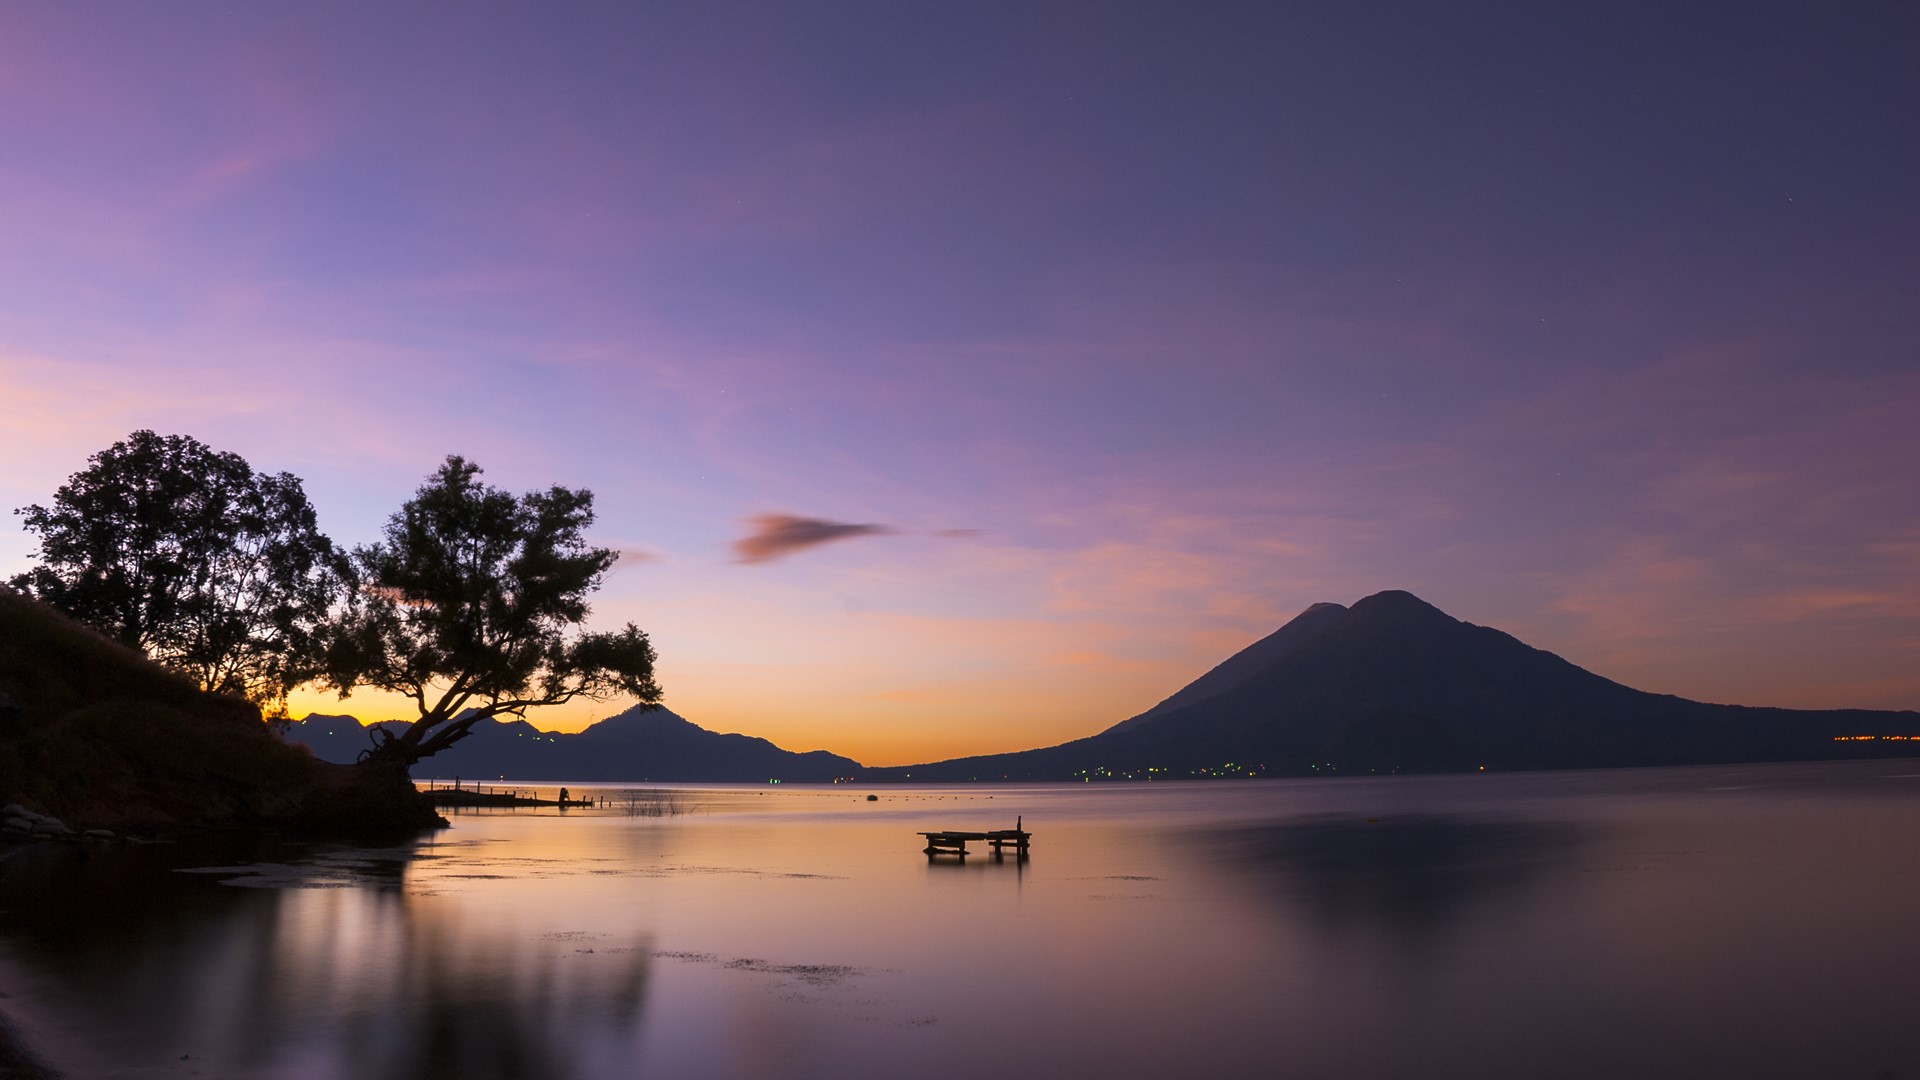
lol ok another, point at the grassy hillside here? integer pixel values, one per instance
(99, 736)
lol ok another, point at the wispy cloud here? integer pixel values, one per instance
(626, 558)
(778, 535)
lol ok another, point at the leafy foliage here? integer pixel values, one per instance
(471, 605)
(188, 555)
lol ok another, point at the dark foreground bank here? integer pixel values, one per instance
(99, 746)
(131, 772)
(96, 736)
(16, 1061)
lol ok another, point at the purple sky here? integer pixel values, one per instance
(1123, 332)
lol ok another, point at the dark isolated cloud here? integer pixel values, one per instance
(629, 557)
(777, 535)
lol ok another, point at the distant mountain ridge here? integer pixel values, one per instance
(1394, 684)
(1390, 684)
(636, 745)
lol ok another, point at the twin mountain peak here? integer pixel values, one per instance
(1390, 684)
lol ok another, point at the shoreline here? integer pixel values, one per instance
(18, 1061)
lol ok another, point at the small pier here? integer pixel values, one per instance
(487, 795)
(954, 841)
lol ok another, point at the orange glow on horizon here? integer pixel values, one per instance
(876, 732)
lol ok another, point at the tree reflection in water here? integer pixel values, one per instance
(330, 969)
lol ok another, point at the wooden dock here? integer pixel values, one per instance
(954, 841)
(492, 796)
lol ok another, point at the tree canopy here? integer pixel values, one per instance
(472, 606)
(187, 554)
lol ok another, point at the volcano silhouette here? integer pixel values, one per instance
(1394, 684)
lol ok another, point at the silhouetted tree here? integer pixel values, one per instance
(189, 555)
(472, 606)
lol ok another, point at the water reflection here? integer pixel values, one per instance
(992, 864)
(1751, 922)
(1412, 874)
(312, 976)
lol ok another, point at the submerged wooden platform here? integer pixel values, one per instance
(954, 841)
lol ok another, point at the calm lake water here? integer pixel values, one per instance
(1753, 921)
